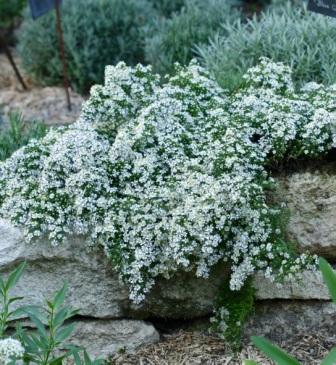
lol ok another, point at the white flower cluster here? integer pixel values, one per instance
(171, 175)
(10, 349)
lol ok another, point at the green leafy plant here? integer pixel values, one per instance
(86, 360)
(96, 33)
(232, 310)
(173, 40)
(41, 346)
(6, 314)
(279, 356)
(167, 7)
(9, 11)
(288, 33)
(17, 133)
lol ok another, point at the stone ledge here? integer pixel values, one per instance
(306, 286)
(310, 196)
(280, 320)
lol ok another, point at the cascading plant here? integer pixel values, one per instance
(170, 174)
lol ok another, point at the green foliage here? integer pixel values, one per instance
(329, 276)
(232, 310)
(51, 331)
(274, 352)
(173, 40)
(41, 346)
(9, 11)
(96, 33)
(18, 133)
(279, 356)
(86, 359)
(167, 7)
(6, 314)
(290, 33)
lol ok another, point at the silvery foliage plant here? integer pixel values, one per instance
(170, 174)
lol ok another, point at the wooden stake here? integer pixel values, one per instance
(61, 45)
(12, 62)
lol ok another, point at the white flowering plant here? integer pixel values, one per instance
(41, 346)
(170, 174)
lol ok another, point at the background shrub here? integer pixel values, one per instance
(290, 33)
(96, 33)
(167, 7)
(18, 133)
(173, 40)
(10, 10)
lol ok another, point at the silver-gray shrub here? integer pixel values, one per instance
(173, 39)
(167, 176)
(290, 34)
(96, 33)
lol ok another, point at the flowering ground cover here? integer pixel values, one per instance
(171, 174)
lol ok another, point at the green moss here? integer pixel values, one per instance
(232, 310)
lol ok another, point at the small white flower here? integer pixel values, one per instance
(10, 349)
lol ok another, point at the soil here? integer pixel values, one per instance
(46, 104)
(196, 348)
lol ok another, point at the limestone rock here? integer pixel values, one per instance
(308, 285)
(281, 320)
(310, 196)
(94, 287)
(102, 338)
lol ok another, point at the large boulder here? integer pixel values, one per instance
(283, 320)
(310, 196)
(94, 286)
(102, 338)
(308, 285)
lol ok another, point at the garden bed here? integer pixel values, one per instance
(197, 348)
(37, 103)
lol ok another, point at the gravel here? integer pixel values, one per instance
(197, 348)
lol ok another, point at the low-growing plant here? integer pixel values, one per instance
(40, 346)
(173, 39)
(6, 300)
(172, 175)
(96, 33)
(17, 133)
(279, 356)
(290, 34)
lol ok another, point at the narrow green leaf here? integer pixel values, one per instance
(60, 317)
(331, 358)
(60, 296)
(2, 285)
(274, 352)
(41, 343)
(64, 332)
(14, 276)
(329, 277)
(57, 361)
(39, 325)
(76, 358)
(250, 362)
(87, 358)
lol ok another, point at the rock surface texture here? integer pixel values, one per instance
(310, 196)
(109, 321)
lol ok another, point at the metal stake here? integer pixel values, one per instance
(12, 62)
(61, 45)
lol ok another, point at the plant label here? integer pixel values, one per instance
(325, 7)
(40, 7)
